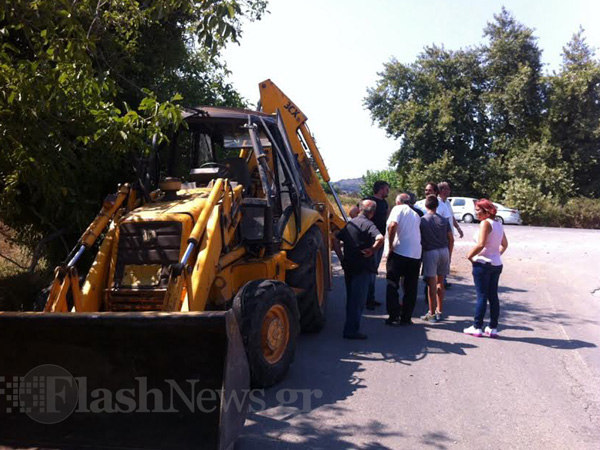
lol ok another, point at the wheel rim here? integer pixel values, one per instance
(468, 218)
(320, 278)
(275, 333)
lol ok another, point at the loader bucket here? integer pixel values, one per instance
(122, 380)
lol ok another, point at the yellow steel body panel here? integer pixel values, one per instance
(93, 287)
(308, 217)
(188, 202)
(231, 278)
(205, 268)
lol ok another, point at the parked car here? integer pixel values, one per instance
(508, 215)
(463, 208)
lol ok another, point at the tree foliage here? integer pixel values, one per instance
(574, 114)
(432, 106)
(514, 92)
(487, 120)
(84, 88)
(389, 175)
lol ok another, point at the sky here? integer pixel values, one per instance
(324, 54)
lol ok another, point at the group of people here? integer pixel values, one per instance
(420, 239)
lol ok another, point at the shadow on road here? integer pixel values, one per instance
(329, 369)
(460, 305)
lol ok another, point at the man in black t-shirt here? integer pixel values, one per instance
(361, 240)
(381, 189)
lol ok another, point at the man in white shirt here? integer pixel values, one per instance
(445, 210)
(403, 260)
(430, 189)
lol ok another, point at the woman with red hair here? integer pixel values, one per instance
(487, 267)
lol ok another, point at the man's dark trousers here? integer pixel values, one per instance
(371, 296)
(401, 266)
(357, 287)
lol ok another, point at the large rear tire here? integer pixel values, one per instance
(309, 278)
(269, 324)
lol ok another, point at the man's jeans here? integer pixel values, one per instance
(357, 286)
(486, 279)
(371, 296)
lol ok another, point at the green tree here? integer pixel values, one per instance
(538, 179)
(435, 109)
(574, 113)
(514, 93)
(432, 106)
(444, 169)
(85, 86)
(389, 175)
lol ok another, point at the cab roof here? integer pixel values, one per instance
(212, 112)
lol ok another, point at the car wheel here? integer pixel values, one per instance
(500, 219)
(468, 218)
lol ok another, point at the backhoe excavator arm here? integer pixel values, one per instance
(66, 278)
(302, 143)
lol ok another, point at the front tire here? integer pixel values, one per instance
(310, 254)
(500, 219)
(269, 324)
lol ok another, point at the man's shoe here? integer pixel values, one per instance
(447, 285)
(429, 317)
(392, 321)
(473, 331)
(491, 332)
(355, 336)
(406, 322)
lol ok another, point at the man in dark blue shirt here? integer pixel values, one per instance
(361, 240)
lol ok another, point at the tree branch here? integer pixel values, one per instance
(13, 262)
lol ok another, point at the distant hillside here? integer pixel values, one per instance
(349, 185)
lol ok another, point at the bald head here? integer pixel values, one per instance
(367, 208)
(403, 199)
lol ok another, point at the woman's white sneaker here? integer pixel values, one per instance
(491, 332)
(473, 331)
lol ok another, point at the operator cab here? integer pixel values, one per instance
(248, 149)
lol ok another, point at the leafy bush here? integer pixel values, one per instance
(576, 213)
(444, 169)
(18, 292)
(389, 175)
(540, 210)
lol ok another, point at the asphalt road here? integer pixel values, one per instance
(429, 386)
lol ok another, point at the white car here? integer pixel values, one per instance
(463, 208)
(508, 215)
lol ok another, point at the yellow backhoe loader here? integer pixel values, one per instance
(207, 268)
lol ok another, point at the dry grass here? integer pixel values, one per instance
(18, 288)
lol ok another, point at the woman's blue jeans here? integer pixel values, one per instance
(486, 279)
